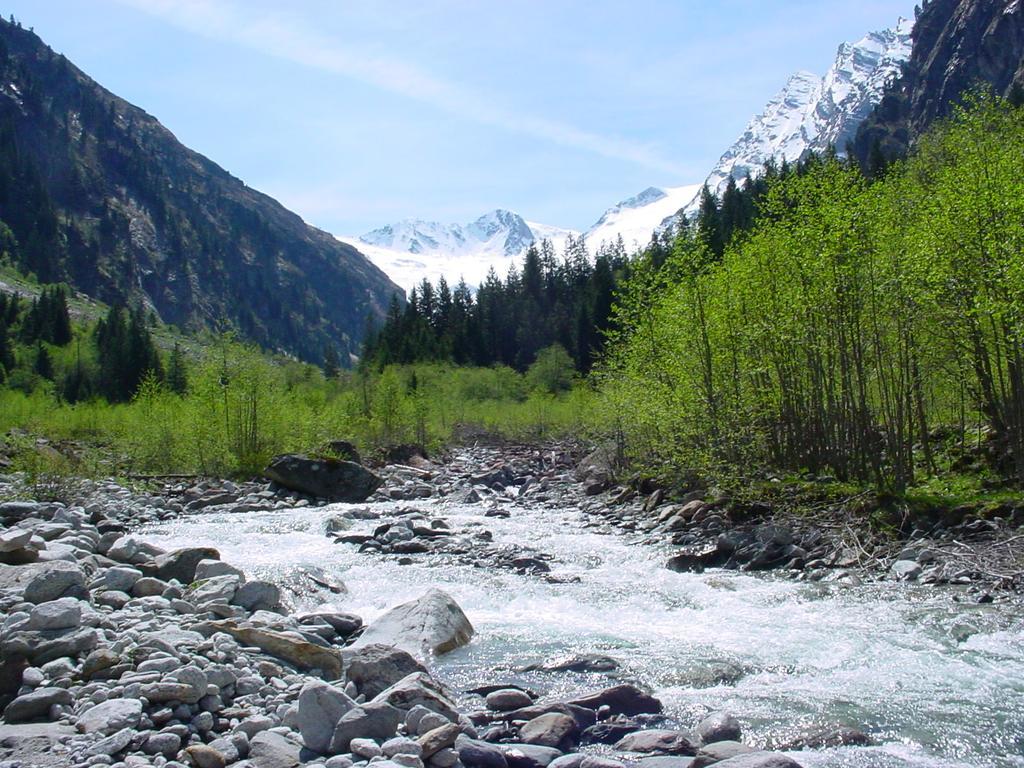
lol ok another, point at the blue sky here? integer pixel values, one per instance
(357, 113)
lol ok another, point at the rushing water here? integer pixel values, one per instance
(936, 682)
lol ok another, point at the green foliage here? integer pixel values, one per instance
(841, 328)
(566, 302)
(552, 371)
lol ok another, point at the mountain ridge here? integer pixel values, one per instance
(129, 214)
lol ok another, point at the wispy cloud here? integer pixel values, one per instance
(278, 35)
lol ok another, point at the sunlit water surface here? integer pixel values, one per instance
(936, 682)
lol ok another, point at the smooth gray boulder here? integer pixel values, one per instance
(121, 578)
(47, 645)
(375, 668)
(54, 582)
(719, 751)
(479, 754)
(759, 760)
(529, 755)
(432, 624)
(181, 564)
(375, 720)
(719, 726)
(110, 716)
(621, 700)
(508, 699)
(206, 569)
(63, 613)
(219, 589)
(320, 708)
(553, 729)
(14, 539)
(258, 596)
(272, 750)
(35, 705)
(324, 478)
(419, 689)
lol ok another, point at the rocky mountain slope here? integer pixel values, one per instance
(811, 113)
(958, 44)
(96, 192)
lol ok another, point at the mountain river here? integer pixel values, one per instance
(935, 681)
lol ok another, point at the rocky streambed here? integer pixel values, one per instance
(484, 612)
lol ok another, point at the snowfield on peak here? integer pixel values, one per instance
(639, 217)
(811, 113)
(412, 249)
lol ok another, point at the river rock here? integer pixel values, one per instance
(374, 668)
(528, 755)
(419, 689)
(111, 745)
(759, 760)
(906, 570)
(219, 589)
(35, 705)
(608, 732)
(431, 624)
(98, 661)
(551, 730)
(110, 716)
(479, 754)
(272, 750)
(302, 654)
(164, 743)
(436, 739)
(207, 569)
(14, 539)
(64, 613)
(149, 586)
(375, 720)
(661, 742)
(46, 645)
(180, 564)
(507, 699)
(719, 726)
(320, 708)
(621, 700)
(324, 478)
(129, 549)
(205, 756)
(54, 581)
(121, 578)
(718, 751)
(258, 596)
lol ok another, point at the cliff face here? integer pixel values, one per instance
(96, 192)
(957, 45)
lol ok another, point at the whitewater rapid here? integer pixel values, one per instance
(936, 681)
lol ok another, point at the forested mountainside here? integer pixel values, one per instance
(957, 45)
(96, 192)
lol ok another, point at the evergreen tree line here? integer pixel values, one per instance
(118, 355)
(849, 323)
(565, 301)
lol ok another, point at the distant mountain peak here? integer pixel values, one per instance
(811, 112)
(496, 238)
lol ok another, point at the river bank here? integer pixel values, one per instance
(510, 534)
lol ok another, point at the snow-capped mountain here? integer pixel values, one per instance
(636, 219)
(809, 114)
(413, 249)
(812, 113)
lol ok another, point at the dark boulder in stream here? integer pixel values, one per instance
(324, 478)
